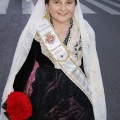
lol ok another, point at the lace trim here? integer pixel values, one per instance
(74, 45)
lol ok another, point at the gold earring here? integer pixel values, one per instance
(47, 14)
(72, 17)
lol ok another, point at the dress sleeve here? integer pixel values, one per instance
(35, 54)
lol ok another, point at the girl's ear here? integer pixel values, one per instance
(46, 7)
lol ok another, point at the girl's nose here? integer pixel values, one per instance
(63, 7)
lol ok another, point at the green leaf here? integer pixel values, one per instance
(7, 115)
(4, 106)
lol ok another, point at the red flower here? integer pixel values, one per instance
(18, 106)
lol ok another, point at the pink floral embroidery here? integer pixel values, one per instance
(31, 79)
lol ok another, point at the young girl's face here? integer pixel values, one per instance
(61, 10)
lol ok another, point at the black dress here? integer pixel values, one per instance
(55, 96)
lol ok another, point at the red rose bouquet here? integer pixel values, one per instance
(18, 106)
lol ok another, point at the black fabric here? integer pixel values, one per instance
(24, 73)
(53, 92)
(56, 97)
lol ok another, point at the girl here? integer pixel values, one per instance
(56, 65)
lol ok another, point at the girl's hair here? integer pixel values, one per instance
(47, 2)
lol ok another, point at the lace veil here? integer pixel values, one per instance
(90, 58)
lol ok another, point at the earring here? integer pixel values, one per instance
(47, 15)
(72, 17)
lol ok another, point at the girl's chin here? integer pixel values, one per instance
(62, 20)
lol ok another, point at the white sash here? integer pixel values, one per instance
(60, 54)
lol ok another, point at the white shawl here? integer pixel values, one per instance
(90, 58)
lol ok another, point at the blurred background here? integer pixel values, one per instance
(103, 16)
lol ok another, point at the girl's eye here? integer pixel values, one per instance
(56, 2)
(69, 2)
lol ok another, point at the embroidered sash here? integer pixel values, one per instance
(60, 54)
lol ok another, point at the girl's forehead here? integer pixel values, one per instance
(62, 0)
